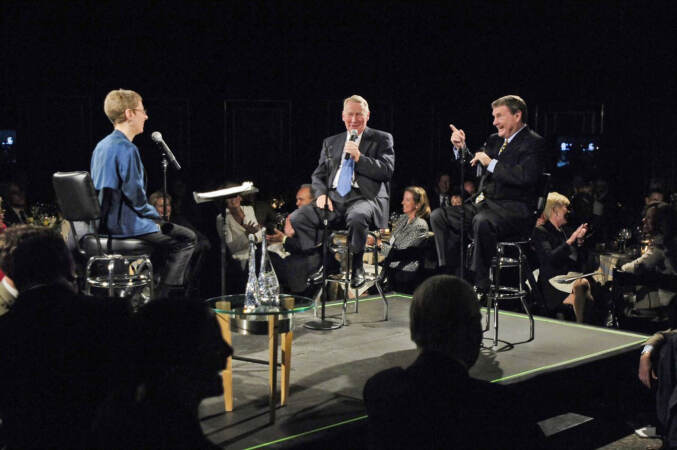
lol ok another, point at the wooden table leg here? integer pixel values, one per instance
(286, 366)
(286, 355)
(227, 374)
(273, 328)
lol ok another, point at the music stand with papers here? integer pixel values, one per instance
(202, 197)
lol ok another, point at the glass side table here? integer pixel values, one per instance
(232, 317)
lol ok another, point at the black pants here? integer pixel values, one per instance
(173, 250)
(354, 211)
(486, 223)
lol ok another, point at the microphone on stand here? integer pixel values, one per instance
(353, 138)
(156, 136)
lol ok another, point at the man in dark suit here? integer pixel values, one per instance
(434, 403)
(294, 264)
(355, 169)
(512, 164)
(441, 192)
(16, 211)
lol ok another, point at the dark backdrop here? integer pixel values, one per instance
(247, 90)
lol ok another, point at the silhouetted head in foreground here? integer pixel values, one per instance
(445, 318)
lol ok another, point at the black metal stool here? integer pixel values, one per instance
(509, 255)
(339, 244)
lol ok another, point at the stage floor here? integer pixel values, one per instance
(330, 368)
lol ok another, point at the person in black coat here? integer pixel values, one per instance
(512, 161)
(434, 403)
(441, 191)
(59, 351)
(176, 361)
(560, 255)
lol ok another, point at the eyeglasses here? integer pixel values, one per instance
(145, 111)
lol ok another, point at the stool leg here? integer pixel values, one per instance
(346, 285)
(384, 298)
(495, 322)
(357, 301)
(346, 290)
(531, 318)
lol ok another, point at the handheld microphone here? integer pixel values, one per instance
(156, 136)
(353, 138)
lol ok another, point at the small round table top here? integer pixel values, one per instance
(234, 305)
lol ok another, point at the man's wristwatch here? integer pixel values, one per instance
(647, 349)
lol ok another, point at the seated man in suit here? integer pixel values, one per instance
(434, 403)
(507, 194)
(16, 207)
(292, 263)
(353, 178)
(442, 191)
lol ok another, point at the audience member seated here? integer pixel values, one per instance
(657, 365)
(442, 191)
(59, 352)
(264, 212)
(604, 211)
(240, 223)
(434, 403)
(654, 196)
(582, 203)
(456, 197)
(16, 211)
(561, 255)
(8, 292)
(660, 259)
(177, 360)
(403, 253)
(201, 248)
(292, 263)
(469, 188)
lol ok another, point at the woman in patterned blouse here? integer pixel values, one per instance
(404, 250)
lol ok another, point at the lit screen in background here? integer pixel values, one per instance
(575, 147)
(7, 142)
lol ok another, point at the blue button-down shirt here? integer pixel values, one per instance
(116, 164)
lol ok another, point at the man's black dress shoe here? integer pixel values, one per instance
(316, 277)
(357, 280)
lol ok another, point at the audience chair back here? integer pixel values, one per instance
(543, 189)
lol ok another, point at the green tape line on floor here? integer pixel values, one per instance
(305, 433)
(570, 361)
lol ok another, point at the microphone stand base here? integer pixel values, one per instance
(323, 325)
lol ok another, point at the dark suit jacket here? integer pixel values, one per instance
(372, 172)
(12, 218)
(434, 199)
(435, 404)
(518, 169)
